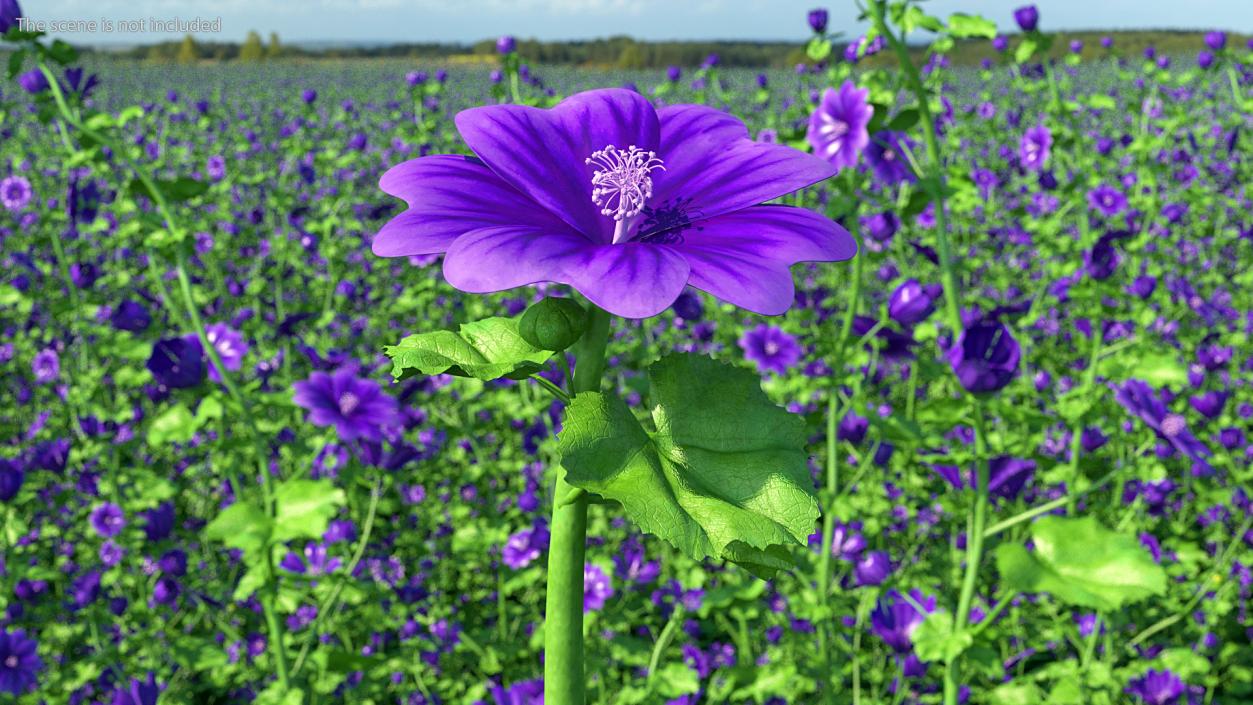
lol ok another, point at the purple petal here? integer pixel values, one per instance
(542, 153)
(448, 196)
(499, 258)
(712, 167)
(743, 257)
(632, 280)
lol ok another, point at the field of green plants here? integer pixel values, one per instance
(370, 382)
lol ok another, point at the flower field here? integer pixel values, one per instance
(879, 381)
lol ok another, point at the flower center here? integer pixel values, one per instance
(11, 661)
(621, 183)
(348, 403)
(771, 348)
(836, 128)
(1173, 425)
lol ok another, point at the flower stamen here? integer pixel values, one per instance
(622, 184)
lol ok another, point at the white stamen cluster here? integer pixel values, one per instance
(621, 183)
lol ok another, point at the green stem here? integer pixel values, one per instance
(564, 679)
(974, 549)
(833, 468)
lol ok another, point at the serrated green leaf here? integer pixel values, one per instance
(486, 349)
(1081, 563)
(304, 508)
(724, 475)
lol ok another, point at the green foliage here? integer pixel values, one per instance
(486, 349)
(1081, 563)
(723, 474)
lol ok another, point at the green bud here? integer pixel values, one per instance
(553, 324)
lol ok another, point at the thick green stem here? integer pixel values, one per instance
(564, 679)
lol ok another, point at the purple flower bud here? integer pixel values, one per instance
(1000, 43)
(33, 82)
(872, 568)
(9, 12)
(506, 45)
(913, 302)
(818, 20)
(1205, 59)
(1027, 17)
(673, 73)
(1216, 40)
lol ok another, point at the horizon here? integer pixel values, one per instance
(375, 22)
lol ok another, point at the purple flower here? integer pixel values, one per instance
(886, 156)
(1216, 40)
(1000, 43)
(15, 193)
(1210, 404)
(1157, 688)
(9, 12)
(137, 692)
(673, 73)
(1027, 17)
(895, 619)
(872, 568)
(12, 475)
(626, 203)
(33, 82)
(177, 363)
(597, 588)
(985, 357)
(76, 85)
(525, 546)
(19, 662)
(912, 302)
(1107, 199)
(837, 127)
(1076, 46)
(1102, 260)
(46, 366)
(230, 347)
(159, 521)
(522, 693)
(215, 167)
(770, 348)
(506, 45)
(1204, 59)
(1138, 398)
(818, 20)
(357, 408)
(107, 519)
(1033, 149)
(131, 316)
(308, 95)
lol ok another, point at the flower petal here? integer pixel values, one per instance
(784, 234)
(542, 153)
(504, 257)
(712, 167)
(448, 196)
(743, 257)
(632, 280)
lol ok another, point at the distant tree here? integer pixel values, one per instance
(273, 50)
(187, 53)
(251, 50)
(631, 57)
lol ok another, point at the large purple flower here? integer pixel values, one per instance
(985, 357)
(1138, 398)
(9, 12)
(623, 202)
(1107, 199)
(1157, 688)
(837, 127)
(357, 408)
(895, 618)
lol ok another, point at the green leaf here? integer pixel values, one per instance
(724, 475)
(1160, 369)
(242, 525)
(1025, 50)
(963, 25)
(1081, 563)
(304, 508)
(274, 695)
(1014, 694)
(818, 49)
(174, 190)
(934, 639)
(676, 679)
(175, 425)
(486, 349)
(904, 120)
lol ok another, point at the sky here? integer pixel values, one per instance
(466, 21)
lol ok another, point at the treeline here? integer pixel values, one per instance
(628, 53)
